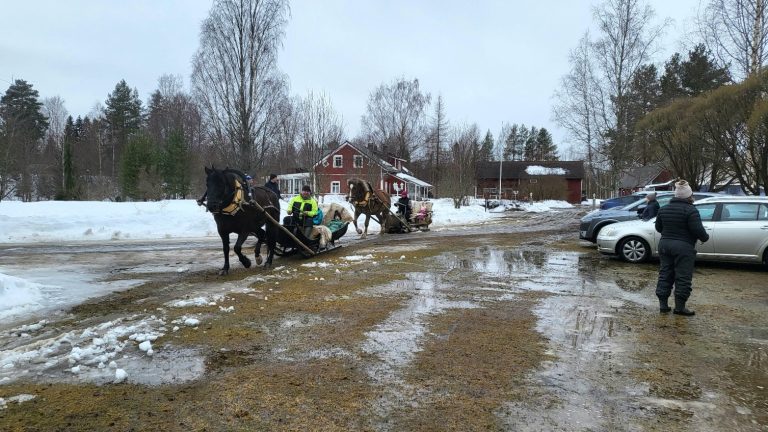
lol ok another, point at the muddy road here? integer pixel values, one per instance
(513, 325)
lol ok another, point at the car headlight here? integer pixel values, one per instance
(607, 232)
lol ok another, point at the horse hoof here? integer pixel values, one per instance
(258, 260)
(246, 263)
(359, 231)
(223, 272)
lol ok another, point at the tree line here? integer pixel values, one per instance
(237, 112)
(700, 116)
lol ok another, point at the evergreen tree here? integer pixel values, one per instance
(22, 125)
(486, 150)
(139, 179)
(529, 149)
(514, 146)
(546, 149)
(697, 74)
(123, 115)
(71, 136)
(643, 96)
(175, 166)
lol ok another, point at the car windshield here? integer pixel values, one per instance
(634, 205)
(662, 200)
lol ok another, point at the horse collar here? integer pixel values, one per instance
(237, 201)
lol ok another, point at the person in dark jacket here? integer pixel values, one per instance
(651, 207)
(403, 205)
(272, 185)
(680, 226)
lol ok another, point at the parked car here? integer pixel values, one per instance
(737, 227)
(622, 200)
(593, 222)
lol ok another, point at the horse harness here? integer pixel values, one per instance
(366, 201)
(238, 201)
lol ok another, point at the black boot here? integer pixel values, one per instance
(680, 309)
(664, 305)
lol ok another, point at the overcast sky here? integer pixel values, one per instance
(492, 61)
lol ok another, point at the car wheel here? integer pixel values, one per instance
(634, 250)
(596, 232)
(765, 259)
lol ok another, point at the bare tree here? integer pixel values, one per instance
(438, 135)
(53, 108)
(577, 105)
(463, 164)
(320, 128)
(737, 32)
(396, 117)
(283, 156)
(236, 79)
(626, 43)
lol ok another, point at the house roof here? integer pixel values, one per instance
(531, 169)
(412, 179)
(386, 166)
(640, 176)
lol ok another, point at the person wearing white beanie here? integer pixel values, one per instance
(680, 226)
(683, 190)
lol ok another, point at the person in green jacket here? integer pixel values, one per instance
(306, 206)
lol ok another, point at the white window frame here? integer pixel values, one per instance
(338, 161)
(335, 187)
(357, 162)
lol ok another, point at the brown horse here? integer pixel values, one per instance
(368, 201)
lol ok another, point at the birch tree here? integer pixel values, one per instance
(737, 32)
(235, 76)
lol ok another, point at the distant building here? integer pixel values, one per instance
(649, 177)
(558, 180)
(347, 161)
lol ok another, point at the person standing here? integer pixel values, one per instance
(272, 184)
(651, 207)
(680, 226)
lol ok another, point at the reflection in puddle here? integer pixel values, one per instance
(396, 341)
(399, 337)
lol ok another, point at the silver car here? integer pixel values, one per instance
(737, 227)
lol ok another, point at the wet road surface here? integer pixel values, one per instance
(514, 325)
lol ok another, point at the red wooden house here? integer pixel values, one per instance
(348, 161)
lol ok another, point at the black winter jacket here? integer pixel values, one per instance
(273, 187)
(650, 211)
(680, 220)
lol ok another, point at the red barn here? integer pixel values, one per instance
(557, 180)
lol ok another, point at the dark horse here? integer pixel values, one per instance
(369, 201)
(225, 199)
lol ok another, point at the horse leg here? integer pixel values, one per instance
(271, 243)
(354, 221)
(365, 231)
(225, 247)
(383, 219)
(239, 249)
(257, 249)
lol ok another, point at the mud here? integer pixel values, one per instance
(512, 325)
